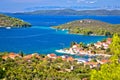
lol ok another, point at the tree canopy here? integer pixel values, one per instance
(111, 70)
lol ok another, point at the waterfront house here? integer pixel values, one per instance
(98, 44)
(52, 56)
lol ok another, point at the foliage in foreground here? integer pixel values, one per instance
(38, 69)
(110, 71)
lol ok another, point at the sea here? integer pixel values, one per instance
(41, 38)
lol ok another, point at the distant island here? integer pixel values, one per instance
(7, 21)
(74, 12)
(90, 27)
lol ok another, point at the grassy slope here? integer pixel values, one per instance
(6, 21)
(88, 25)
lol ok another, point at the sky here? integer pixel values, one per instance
(31, 5)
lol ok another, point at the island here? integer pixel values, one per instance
(72, 12)
(7, 21)
(90, 27)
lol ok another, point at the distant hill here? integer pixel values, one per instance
(90, 27)
(74, 12)
(6, 21)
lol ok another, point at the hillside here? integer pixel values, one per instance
(6, 21)
(90, 27)
(74, 12)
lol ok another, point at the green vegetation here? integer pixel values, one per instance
(90, 27)
(6, 21)
(110, 71)
(39, 69)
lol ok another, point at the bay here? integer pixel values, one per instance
(42, 38)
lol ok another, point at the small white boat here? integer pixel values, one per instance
(61, 51)
(8, 27)
(63, 29)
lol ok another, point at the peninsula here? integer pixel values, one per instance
(7, 21)
(90, 27)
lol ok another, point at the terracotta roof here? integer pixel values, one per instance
(91, 63)
(98, 43)
(4, 57)
(52, 55)
(30, 56)
(59, 57)
(109, 39)
(11, 55)
(70, 58)
(105, 61)
(27, 57)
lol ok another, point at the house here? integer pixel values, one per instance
(98, 44)
(66, 57)
(11, 55)
(28, 57)
(75, 46)
(4, 57)
(105, 45)
(109, 40)
(92, 64)
(82, 60)
(70, 59)
(104, 61)
(52, 56)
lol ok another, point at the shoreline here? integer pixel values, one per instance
(75, 33)
(82, 54)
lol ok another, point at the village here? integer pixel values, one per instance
(96, 57)
(59, 66)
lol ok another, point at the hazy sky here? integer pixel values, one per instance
(26, 5)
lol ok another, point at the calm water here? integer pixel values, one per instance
(41, 38)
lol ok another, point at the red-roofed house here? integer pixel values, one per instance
(70, 59)
(98, 44)
(28, 57)
(109, 40)
(11, 55)
(104, 61)
(52, 55)
(92, 64)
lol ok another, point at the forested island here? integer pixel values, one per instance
(101, 12)
(7, 21)
(90, 27)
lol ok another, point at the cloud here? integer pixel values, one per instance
(24, 1)
(79, 1)
(91, 2)
(87, 1)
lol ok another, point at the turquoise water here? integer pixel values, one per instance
(39, 39)
(42, 38)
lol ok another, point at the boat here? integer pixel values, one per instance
(65, 51)
(8, 27)
(63, 29)
(61, 51)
